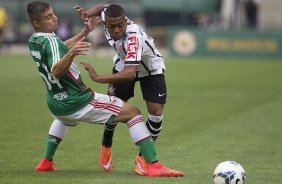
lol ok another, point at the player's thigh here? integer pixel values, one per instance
(123, 90)
(67, 120)
(154, 88)
(99, 110)
(127, 113)
(103, 107)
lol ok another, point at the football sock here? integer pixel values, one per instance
(58, 129)
(57, 132)
(148, 150)
(141, 137)
(109, 129)
(154, 125)
(51, 147)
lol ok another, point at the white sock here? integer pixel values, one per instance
(137, 129)
(155, 118)
(58, 129)
(154, 125)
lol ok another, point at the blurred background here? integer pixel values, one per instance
(223, 81)
(179, 27)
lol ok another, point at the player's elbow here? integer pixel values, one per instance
(131, 76)
(130, 73)
(56, 73)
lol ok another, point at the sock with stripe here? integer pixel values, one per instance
(57, 132)
(109, 129)
(142, 138)
(51, 147)
(154, 125)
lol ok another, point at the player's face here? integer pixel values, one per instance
(48, 22)
(116, 26)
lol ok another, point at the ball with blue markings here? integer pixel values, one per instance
(229, 172)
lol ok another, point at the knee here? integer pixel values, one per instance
(156, 111)
(134, 111)
(127, 113)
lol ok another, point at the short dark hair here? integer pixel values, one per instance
(34, 9)
(114, 11)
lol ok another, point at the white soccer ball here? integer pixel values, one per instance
(229, 172)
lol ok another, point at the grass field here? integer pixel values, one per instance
(218, 109)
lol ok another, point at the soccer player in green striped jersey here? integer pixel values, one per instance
(69, 99)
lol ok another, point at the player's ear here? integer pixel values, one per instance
(35, 23)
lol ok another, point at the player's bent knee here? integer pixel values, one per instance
(155, 109)
(156, 112)
(127, 113)
(133, 111)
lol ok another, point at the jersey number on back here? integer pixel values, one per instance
(49, 79)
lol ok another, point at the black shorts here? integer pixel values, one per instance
(153, 89)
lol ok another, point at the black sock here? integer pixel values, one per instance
(108, 134)
(154, 128)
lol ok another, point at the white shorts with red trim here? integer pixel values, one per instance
(99, 110)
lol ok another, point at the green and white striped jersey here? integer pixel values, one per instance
(67, 94)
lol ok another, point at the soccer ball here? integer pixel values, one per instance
(229, 172)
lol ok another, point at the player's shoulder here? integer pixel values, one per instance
(44, 38)
(35, 40)
(133, 28)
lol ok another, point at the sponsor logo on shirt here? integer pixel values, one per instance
(61, 96)
(131, 48)
(36, 54)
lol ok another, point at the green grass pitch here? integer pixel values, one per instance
(218, 109)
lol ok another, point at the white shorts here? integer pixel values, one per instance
(99, 110)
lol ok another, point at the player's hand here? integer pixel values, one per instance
(91, 71)
(81, 47)
(82, 12)
(92, 23)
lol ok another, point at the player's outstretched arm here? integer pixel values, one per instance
(82, 12)
(90, 25)
(127, 74)
(92, 12)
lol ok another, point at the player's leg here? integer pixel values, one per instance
(142, 138)
(123, 91)
(57, 132)
(154, 125)
(154, 93)
(139, 133)
(155, 119)
(102, 109)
